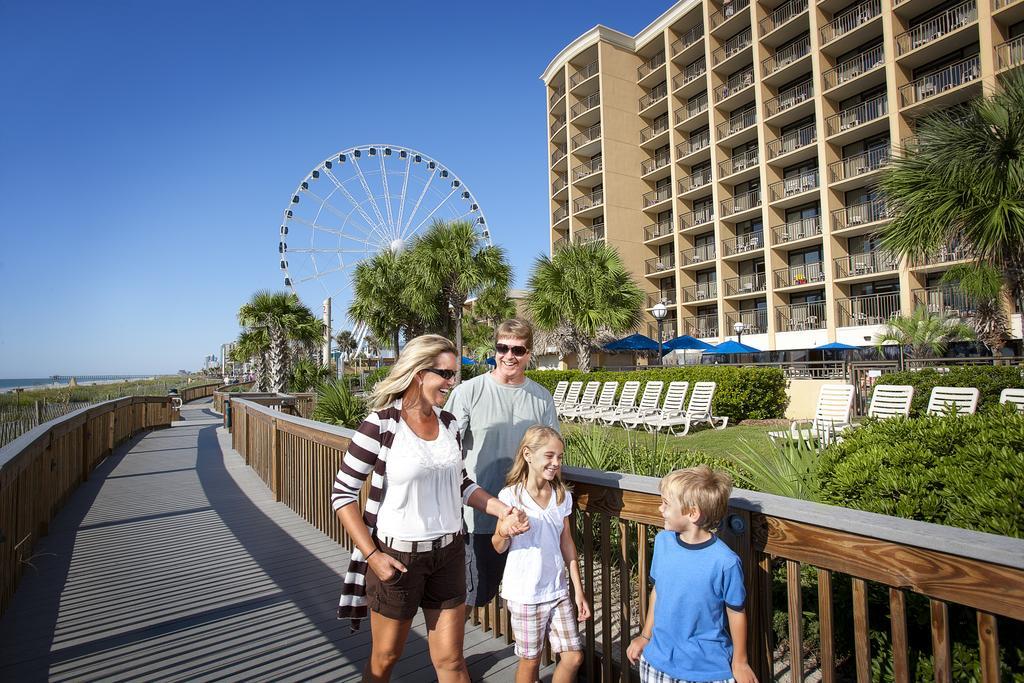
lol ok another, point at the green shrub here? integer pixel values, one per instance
(989, 379)
(375, 376)
(959, 471)
(743, 393)
(337, 406)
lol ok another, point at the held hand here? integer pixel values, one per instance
(514, 522)
(384, 566)
(636, 647)
(583, 607)
(742, 673)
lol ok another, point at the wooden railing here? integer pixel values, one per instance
(42, 467)
(191, 393)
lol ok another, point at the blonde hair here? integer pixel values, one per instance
(534, 438)
(517, 329)
(701, 487)
(419, 354)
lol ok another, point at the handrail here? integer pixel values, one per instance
(948, 77)
(789, 98)
(808, 316)
(743, 243)
(650, 65)
(868, 309)
(687, 39)
(786, 56)
(587, 168)
(695, 180)
(859, 214)
(691, 109)
(735, 84)
(738, 122)
(847, 119)
(799, 275)
(782, 14)
(730, 8)
(754, 321)
(656, 94)
(694, 144)
(656, 196)
(934, 28)
(796, 230)
(787, 187)
(702, 292)
(850, 19)
(595, 198)
(656, 230)
(657, 162)
(746, 284)
(692, 71)
(792, 141)
(740, 162)
(701, 254)
(583, 74)
(854, 67)
(1010, 53)
(741, 202)
(858, 164)
(586, 104)
(696, 217)
(733, 46)
(586, 135)
(701, 326)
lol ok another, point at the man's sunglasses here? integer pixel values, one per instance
(517, 351)
(443, 373)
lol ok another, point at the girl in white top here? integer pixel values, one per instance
(541, 559)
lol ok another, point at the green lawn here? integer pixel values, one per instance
(718, 443)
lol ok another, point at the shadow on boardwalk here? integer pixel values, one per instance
(174, 562)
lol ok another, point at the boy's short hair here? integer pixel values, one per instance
(516, 328)
(700, 487)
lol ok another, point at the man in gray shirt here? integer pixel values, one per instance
(494, 411)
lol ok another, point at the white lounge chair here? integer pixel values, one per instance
(697, 410)
(627, 402)
(572, 397)
(831, 415)
(559, 394)
(964, 399)
(891, 400)
(648, 404)
(586, 401)
(1014, 397)
(675, 397)
(605, 401)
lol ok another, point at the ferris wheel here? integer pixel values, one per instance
(359, 202)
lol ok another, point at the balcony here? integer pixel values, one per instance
(707, 291)
(587, 169)
(689, 74)
(587, 235)
(860, 215)
(869, 263)
(591, 134)
(695, 144)
(695, 219)
(589, 102)
(735, 85)
(865, 112)
(660, 264)
(695, 181)
(741, 203)
(686, 114)
(937, 260)
(781, 15)
(689, 38)
(560, 214)
(745, 284)
(655, 197)
(667, 297)
(650, 132)
(656, 95)
(558, 154)
(945, 299)
(931, 31)
(588, 201)
(649, 166)
(797, 317)
(730, 8)
(795, 231)
(754, 321)
(788, 99)
(583, 74)
(558, 185)
(855, 167)
(786, 56)
(701, 254)
(794, 186)
(731, 48)
(668, 329)
(1010, 54)
(558, 244)
(743, 244)
(870, 309)
(946, 79)
(737, 124)
(738, 163)
(850, 20)
(855, 67)
(798, 276)
(650, 66)
(792, 141)
(556, 94)
(701, 326)
(657, 231)
(557, 124)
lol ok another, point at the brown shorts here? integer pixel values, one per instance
(435, 579)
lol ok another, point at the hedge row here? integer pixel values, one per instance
(990, 381)
(743, 393)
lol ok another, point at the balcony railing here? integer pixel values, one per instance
(558, 154)
(695, 180)
(859, 214)
(1010, 53)
(655, 130)
(733, 46)
(556, 94)
(858, 165)
(668, 329)
(657, 94)
(588, 135)
(660, 263)
(701, 326)
(586, 235)
(587, 168)
(729, 9)
(944, 79)
(855, 66)
(936, 27)
(781, 14)
(650, 65)
(792, 141)
(754, 321)
(741, 202)
(560, 213)
(799, 275)
(870, 110)
(787, 187)
(738, 122)
(659, 161)
(739, 82)
(741, 244)
(740, 162)
(796, 230)
(945, 299)
(947, 254)
(656, 230)
(786, 56)
(694, 144)
(583, 74)
(557, 124)
(868, 263)
(695, 218)
(701, 254)
(870, 309)
(655, 196)
(667, 297)
(745, 284)
(595, 198)
(690, 73)
(558, 244)
(687, 39)
(559, 185)
(794, 317)
(789, 98)
(851, 19)
(586, 104)
(697, 106)
(701, 292)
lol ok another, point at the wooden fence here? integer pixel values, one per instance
(42, 467)
(191, 393)
(617, 515)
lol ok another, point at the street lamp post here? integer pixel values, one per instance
(738, 327)
(659, 312)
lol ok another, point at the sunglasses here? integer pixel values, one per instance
(442, 373)
(517, 351)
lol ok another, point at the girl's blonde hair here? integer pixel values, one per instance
(535, 437)
(419, 354)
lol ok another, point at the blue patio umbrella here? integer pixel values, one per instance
(687, 343)
(836, 346)
(466, 360)
(491, 361)
(728, 348)
(634, 342)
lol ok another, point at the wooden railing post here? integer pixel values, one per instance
(739, 534)
(86, 436)
(275, 460)
(110, 432)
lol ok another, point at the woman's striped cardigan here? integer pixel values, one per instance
(368, 452)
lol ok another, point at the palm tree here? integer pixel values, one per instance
(453, 259)
(251, 347)
(962, 183)
(982, 284)
(927, 334)
(346, 343)
(586, 289)
(284, 319)
(379, 296)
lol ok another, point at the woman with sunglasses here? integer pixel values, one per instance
(409, 551)
(494, 411)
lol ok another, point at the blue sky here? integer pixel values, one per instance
(148, 149)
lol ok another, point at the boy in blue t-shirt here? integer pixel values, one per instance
(698, 587)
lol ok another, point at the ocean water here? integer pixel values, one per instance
(10, 383)
(7, 384)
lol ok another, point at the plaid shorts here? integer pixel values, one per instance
(556, 619)
(648, 674)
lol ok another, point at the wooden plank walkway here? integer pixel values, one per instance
(173, 562)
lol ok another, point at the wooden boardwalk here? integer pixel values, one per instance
(173, 562)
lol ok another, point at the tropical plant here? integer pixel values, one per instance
(585, 289)
(336, 405)
(453, 259)
(478, 340)
(926, 334)
(346, 342)
(983, 285)
(307, 375)
(788, 470)
(284, 319)
(379, 298)
(252, 347)
(962, 183)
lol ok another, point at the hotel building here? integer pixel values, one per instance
(728, 152)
